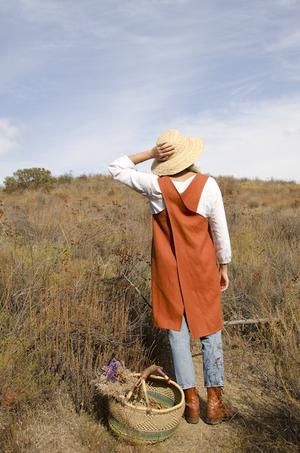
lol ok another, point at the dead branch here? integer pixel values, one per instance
(235, 322)
(137, 289)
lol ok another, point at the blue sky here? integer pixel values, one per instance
(85, 81)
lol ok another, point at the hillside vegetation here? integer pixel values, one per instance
(67, 257)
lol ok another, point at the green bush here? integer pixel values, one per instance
(28, 178)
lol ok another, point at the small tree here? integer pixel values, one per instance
(28, 178)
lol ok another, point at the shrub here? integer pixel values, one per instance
(66, 178)
(28, 178)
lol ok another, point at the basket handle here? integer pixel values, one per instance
(142, 381)
(154, 369)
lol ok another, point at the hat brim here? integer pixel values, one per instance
(181, 159)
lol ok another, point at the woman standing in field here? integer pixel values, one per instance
(190, 252)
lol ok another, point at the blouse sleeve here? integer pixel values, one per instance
(124, 170)
(219, 228)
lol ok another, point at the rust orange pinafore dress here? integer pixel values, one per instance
(184, 269)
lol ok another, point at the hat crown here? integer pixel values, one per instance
(171, 136)
(186, 151)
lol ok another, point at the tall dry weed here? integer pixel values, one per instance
(66, 307)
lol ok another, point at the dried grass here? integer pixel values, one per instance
(66, 306)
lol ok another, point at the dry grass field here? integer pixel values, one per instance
(66, 255)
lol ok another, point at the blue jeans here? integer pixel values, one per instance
(213, 362)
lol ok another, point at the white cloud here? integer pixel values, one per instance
(8, 135)
(249, 139)
(259, 139)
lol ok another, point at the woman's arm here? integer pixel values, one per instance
(123, 170)
(218, 225)
(221, 238)
(160, 152)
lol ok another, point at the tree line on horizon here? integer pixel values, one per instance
(41, 178)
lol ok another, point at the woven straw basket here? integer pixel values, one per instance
(139, 424)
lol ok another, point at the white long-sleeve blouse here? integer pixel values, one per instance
(210, 204)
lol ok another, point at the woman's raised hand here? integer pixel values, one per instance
(162, 151)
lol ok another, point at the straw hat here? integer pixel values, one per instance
(187, 150)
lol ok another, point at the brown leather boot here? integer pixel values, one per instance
(192, 405)
(217, 410)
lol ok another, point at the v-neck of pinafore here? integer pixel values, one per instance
(192, 179)
(191, 195)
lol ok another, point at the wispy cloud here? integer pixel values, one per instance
(90, 80)
(289, 41)
(9, 134)
(287, 3)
